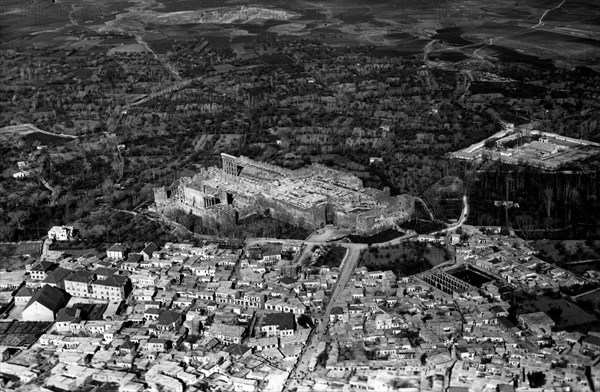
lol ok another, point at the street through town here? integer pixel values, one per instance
(354, 251)
(350, 261)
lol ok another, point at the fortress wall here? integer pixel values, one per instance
(319, 213)
(345, 220)
(193, 197)
(160, 195)
(289, 213)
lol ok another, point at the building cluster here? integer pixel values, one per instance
(526, 146)
(310, 197)
(185, 317)
(175, 318)
(387, 331)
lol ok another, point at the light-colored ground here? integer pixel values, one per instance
(129, 48)
(139, 17)
(329, 233)
(16, 312)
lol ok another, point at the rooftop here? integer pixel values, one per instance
(49, 297)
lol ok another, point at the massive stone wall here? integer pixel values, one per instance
(292, 214)
(231, 192)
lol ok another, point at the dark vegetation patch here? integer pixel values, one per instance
(332, 257)
(188, 5)
(45, 138)
(452, 36)
(509, 90)
(453, 57)
(508, 55)
(566, 314)
(312, 13)
(277, 59)
(355, 15)
(384, 236)
(405, 259)
(109, 226)
(544, 206)
(421, 226)
(398, 36)
(565, 251)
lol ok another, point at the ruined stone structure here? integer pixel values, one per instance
(309, 197)
(446, 282)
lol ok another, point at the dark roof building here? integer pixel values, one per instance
(68, 315)
(284, 321)
(56, 277)
(237, 350)
(135, 258)
(24, 292)
(40, 270)
(45, 304)
(149, 250)
(44, 266)
(103, 272)
(80, 276)
(168, 319)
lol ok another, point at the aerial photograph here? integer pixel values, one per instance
(300, 195)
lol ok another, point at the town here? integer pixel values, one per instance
(292, 315)
(295, 196)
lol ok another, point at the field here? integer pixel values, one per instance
(21, 333)
(20, 249)
(506, 31)
(32, 135)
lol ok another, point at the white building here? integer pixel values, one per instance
(44, 304)
(116, 252)
(61, 233)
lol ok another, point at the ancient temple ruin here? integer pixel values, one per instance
(309, 197)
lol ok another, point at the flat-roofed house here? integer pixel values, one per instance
(538, 322)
